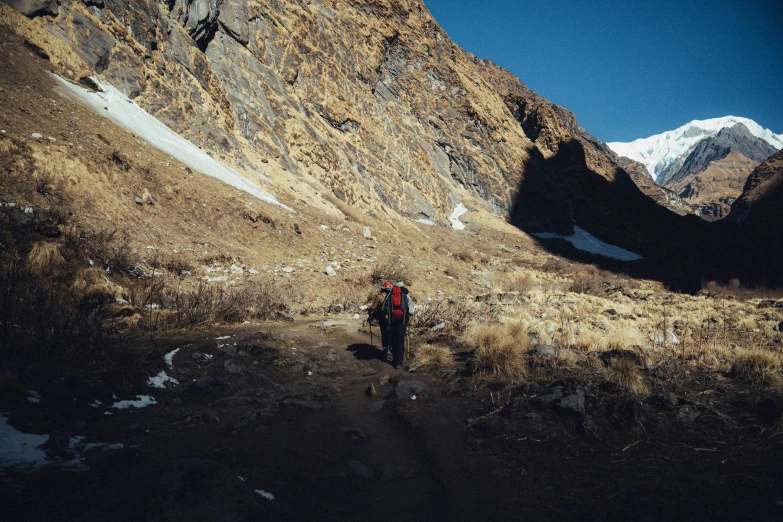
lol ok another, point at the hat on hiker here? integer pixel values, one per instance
(399, 283)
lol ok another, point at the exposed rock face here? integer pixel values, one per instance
(371, 99)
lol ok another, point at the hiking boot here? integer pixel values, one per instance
(398, 366)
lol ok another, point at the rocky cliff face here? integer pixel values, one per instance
(369, 100)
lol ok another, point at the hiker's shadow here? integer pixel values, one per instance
(366, 352)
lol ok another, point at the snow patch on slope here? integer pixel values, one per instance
(459, 210)
(659, 151)
(19, 449)
(585, 241)
(115, 106)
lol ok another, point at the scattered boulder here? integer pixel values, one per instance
(367, 232)
(625, 415)
(546, 350)
(548, 398)
(36, 136)
(33, 8)
(331, 272)
(573, 403)
(233, 367)
(371, 391)
(335, 308)
(408, 390)
(283, 315)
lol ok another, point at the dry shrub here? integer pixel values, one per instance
(500, 349)
(106, 246)
(521, 282)
(758, 366)
(390, 270)
(737, 290)
(585, 284)
(432, 357)
(625, 372)
(556, 265)
(463, 255)
(442, 249)
(44, 255)
(177, 263)
(224, 304)
(456, 312)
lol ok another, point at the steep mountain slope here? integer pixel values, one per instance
(659, 153)
(368, 102)
(759, 211)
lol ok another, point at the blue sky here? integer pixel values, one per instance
(633, 68)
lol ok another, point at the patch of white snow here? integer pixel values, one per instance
(459, 210)
(585, 241)
(160, 380)
(140, 402)
(115, 106)
(169, 358)
(20, 450)
(265, 494)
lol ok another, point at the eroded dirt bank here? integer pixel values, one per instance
(276, 423)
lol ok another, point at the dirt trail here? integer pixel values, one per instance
(302, 429)
(272, 422)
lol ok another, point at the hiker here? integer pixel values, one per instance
(398, 308)
(376, 315)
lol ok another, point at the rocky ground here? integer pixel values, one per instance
(306, 420)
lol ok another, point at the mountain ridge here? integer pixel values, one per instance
(659, 152)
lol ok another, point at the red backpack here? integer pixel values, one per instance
(398, 303)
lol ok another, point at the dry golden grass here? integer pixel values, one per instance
(625, 372)
(500, 349)
(759, 366)
(44, 255)
(517, 281)
(432, 357)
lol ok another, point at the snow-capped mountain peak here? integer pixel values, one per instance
(659, 151)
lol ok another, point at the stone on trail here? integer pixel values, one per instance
(335, 308)
(36, 136)
(408, 390)
(545, 399)
(233, 367)
(546, 350)
(367, 232)
(371, 391)
(331, 272)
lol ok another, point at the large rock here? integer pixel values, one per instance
(408, 390)
(34, 8)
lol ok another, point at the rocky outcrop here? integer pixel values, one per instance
(371, 99)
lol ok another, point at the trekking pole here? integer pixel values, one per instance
(370, 323)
